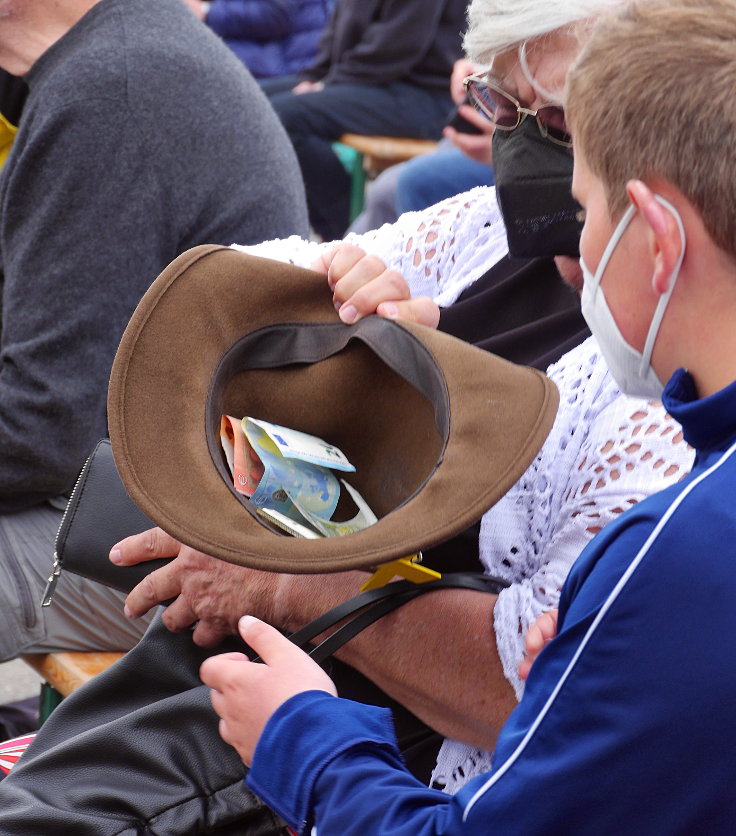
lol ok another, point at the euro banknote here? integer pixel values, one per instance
(331, 528)
(317, 487)
(245, 465)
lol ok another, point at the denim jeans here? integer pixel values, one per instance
(428, 179)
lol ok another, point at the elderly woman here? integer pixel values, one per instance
(450, 658)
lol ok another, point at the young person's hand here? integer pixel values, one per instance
(361, 285)
(538, 636)
(245, 694)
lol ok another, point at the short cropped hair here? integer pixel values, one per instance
(497, 25)
(653, 95)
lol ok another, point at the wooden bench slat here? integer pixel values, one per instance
(68, 671)
(396, 149)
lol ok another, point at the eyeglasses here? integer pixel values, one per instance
(506, 112)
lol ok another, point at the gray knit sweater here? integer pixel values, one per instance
(142, 136)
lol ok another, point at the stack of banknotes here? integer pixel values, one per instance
(288, 476)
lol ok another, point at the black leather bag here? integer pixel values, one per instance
(99, 514)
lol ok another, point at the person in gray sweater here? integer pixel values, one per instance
(142, 136)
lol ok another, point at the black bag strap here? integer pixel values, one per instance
(367, 607)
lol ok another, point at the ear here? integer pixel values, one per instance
(666, 241)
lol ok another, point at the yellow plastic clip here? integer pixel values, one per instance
(406, 567)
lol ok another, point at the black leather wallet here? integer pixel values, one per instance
(99, 514)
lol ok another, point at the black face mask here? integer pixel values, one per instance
(533, 187)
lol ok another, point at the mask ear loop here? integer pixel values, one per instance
(665, 298)
(611, 246)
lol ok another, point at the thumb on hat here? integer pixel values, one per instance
(420, 309)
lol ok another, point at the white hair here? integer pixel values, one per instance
(497, 25)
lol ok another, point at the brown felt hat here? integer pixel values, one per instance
(438, 430)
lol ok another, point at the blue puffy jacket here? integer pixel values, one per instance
(271, 37)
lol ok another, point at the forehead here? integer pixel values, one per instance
(548, 58)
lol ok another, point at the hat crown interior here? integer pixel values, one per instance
(373, 390)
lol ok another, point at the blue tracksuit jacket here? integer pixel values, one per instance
(627, 724)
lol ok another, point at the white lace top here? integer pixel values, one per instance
(605, 451)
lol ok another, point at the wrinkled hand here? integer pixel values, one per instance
(208, 592)
(475, 146)
(245, 694)
(361, 284)
(537, 637)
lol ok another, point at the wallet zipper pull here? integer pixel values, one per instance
(53, 579)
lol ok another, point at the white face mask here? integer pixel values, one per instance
(631, 370)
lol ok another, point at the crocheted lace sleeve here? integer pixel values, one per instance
(439, 251)
(604, 453)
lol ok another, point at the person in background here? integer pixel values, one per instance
(122, 160)
(462, 160)
(626, 722)
(272, 38)
(381, 69)
(19, 717)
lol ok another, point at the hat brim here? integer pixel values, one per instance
(437, 429)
